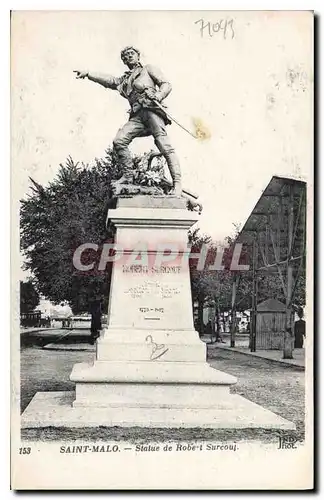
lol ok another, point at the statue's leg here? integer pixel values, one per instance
(157, 127)
(133, 128)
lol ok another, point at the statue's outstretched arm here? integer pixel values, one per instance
(108, 81)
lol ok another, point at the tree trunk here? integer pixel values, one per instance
(224, 321)
(289, 330)
(201, 300)
(233, 327)
(217, 322)
(233, 312)
(288, 337)
(254, 299)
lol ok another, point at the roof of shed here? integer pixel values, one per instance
(271, 305)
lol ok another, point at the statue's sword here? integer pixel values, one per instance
(173, 119)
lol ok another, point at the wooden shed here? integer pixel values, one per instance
(270, 324)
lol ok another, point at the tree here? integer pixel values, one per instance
(56, 219)
(300, 293)
(213, 287)
(198, 277)
(29, 297)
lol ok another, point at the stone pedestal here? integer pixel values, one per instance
(150, 368)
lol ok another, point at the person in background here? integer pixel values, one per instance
(210, 330)
(96, 314)
(218, 331)
(300, 330)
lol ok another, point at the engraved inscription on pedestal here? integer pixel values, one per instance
(153, 297)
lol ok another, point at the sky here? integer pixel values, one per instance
(250, 86)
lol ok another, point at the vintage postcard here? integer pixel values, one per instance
(162, 250)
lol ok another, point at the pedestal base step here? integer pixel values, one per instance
(54, 409)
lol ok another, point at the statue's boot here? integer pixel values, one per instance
(176, 178)
(164, 146)
(124, 159)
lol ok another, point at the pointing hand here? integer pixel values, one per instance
(80, 74)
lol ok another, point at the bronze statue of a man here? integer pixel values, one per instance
(144, 87)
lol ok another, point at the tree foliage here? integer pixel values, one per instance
(56, 219)
(29, 297)
(213, 287)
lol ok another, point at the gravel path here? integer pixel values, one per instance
(277, 387)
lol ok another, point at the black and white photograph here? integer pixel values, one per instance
(162, 250)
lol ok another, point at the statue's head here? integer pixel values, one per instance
(130, 56)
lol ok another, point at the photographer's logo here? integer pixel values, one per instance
(287, 443)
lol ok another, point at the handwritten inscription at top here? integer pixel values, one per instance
(223, 27)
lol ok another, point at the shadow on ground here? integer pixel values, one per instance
(65, 337)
